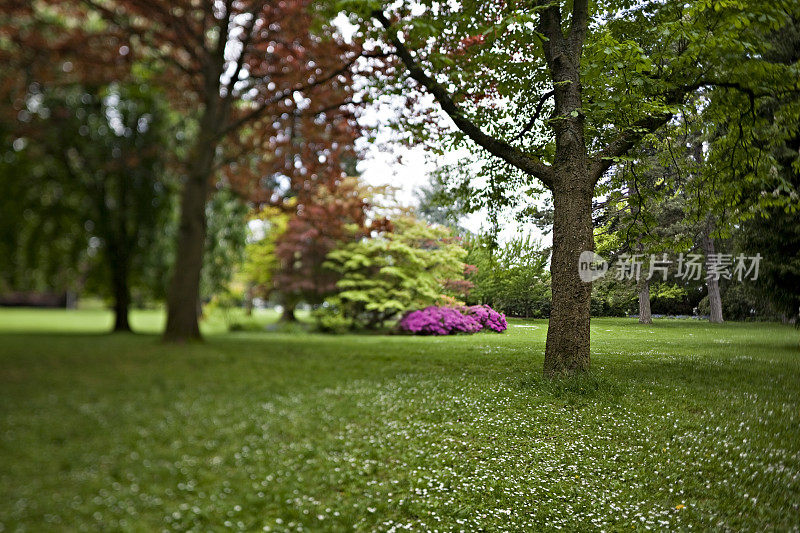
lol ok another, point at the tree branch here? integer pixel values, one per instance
(627, 139)
(248, 36)
(261, 108)
(630, 136)
(550, 26)
(496, 147)
(578, 28)
(536, 114)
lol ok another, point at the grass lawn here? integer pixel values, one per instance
(679, 425)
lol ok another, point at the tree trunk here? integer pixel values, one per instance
(288, 313)
(248, 300)
(645, 316)
(714, 299)
(184, 289)
(122, 294)
(182, 324)
(567, 348)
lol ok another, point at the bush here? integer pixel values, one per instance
(330, 320)
(669, 299)
(488, 317)
(387, 275)
(450, 320)
(526, 306)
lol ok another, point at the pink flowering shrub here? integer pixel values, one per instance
(488, 317)
(449, 320)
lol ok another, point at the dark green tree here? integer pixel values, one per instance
(98, 157)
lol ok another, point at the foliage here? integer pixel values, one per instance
(775, 235)
(261, 262)
(670, 299)
(613, 298)
(637, 62)
(226, 238)
(42, 244)
(512, 278)
(772, 197)
(438, 205)
(94, 174)
(329, 217)
(400, 270)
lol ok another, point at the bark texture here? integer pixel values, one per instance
(182, 307)
(567, 347)
(645, 317)
(714, 298)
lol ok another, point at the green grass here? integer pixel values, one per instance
(679, 424)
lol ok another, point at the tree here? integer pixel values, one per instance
(643, 211)
(771, 229)
(400, 270)
(438, 205)
(100, 153)
(614, 73)
(321, 222)
(261, 262)
(242, 71)
(43, 246)
(511, 278)
(226, 214)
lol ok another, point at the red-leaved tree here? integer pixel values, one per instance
(333, 214)
(243, 71)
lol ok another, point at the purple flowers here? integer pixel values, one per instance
(488, 317)
(449, 320)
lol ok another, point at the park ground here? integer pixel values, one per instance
(679, 425)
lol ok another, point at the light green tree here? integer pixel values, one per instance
(260, 260)
(384, 276)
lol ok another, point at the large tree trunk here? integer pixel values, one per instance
(567, 348)
(645, 316)
(714, 298)
(184, 289)
(288, 312)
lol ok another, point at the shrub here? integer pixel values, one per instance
(488, 317)
(389, 274)
(450, 320)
